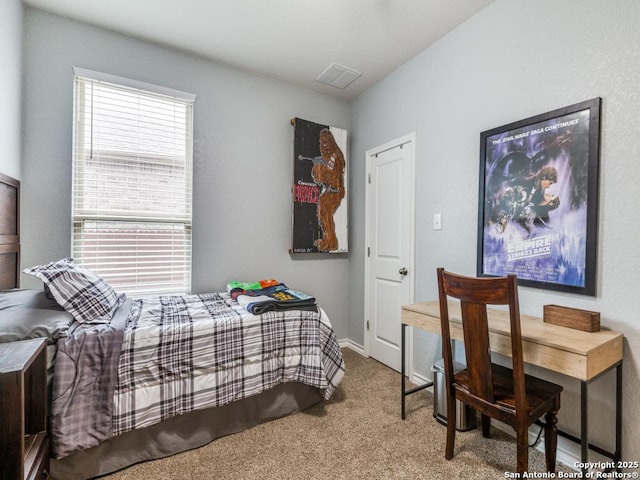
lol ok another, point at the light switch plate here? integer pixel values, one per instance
(437, 221)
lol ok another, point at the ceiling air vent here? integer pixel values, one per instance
(338, 76)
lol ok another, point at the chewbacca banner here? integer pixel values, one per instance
(319, 188)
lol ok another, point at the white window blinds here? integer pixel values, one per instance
(132, 177)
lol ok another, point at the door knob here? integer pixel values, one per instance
(403, 271)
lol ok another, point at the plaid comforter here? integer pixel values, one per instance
(184, 353)
(190, 352)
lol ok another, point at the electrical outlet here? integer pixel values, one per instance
(437, 221)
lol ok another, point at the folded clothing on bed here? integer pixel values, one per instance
(275, 297)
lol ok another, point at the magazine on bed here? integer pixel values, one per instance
(275, 297)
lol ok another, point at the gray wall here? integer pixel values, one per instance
(10, 81)
(515, 59)
(243, 157)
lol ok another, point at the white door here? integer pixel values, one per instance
(390, 233)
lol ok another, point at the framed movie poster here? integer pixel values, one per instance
(539, 197)
(319, 188)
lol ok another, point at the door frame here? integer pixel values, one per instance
(405, 139)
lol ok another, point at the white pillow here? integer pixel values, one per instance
(79, 291)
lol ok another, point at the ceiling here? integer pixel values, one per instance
(290, 40)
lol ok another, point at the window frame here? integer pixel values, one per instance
(127, 221)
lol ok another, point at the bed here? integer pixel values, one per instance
(134, 379)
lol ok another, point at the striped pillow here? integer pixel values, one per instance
(79, 291)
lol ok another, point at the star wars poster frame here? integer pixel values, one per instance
(538, 199)
(320, 189)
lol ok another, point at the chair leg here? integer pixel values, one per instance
(550, 439)
(451, 426)
(522, 442)
(486, 426)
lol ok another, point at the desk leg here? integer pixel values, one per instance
(584, 427)
(403, 380)
(618, 451)
(402, 372)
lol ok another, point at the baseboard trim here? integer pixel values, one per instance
(418, 379)
(346, 343)
(568, 452)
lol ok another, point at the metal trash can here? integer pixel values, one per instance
(465, 415)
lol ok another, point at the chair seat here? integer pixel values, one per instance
(540, 394)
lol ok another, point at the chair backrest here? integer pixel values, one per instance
(474, 295)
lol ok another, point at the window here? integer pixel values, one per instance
(132, 177)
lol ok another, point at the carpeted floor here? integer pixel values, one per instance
(358, 434)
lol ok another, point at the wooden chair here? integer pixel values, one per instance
(492, 390)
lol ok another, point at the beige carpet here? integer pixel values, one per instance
(358, 434)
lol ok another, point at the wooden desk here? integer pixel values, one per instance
(578, 354)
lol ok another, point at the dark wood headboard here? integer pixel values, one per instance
(9, 232)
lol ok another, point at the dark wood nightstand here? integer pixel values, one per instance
(24, 441)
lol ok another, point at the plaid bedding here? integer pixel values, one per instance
(191, 352)
(85, 376)
(181, 354)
